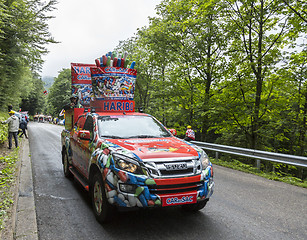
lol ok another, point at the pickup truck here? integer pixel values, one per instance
(130, 160)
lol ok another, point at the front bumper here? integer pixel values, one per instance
(124, 189)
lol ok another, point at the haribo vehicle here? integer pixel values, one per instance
(129, 159)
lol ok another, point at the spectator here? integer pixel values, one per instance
(190, 134)
(9, 107)
(23, 126)
(13, 123)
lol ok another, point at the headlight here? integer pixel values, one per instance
(204, 159)
(127, 164)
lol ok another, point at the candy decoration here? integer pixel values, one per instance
(115, 62)
(105, 59)
(146, 193)
(150, 181)
(109, 61)
(138, 203)
(97, 62)
(132, 65)
(150, 203)
(123, 177)
(132, 200)
(111, 194)
(122, 62)
(138, 191)
(101, 62)
(143, 200)
(108, 188)
(126, 63)
(125, 55)
(118, 62)
(109, 161)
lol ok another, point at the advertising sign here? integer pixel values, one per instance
(113, 83)
(81, 82)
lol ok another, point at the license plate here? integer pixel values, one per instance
(175, 166)
(179, 199)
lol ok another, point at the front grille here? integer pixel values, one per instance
(175, 172)
(167, 168)
(175, 188)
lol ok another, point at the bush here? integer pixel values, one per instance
(3, 127)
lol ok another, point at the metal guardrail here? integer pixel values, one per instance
(260, 155)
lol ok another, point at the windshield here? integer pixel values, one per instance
(130, 127)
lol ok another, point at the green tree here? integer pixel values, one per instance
(259, 31)
(35, 100)
(24, 35)
(60, 92)
(185, 44)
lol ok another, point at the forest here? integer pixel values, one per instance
(235, 71)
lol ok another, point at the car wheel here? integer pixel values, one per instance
(66, 165)
(195, 207)
(101, 207)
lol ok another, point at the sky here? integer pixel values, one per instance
(88, 29)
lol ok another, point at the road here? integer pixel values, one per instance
(243, 206)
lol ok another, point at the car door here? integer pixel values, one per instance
(85, 153)
(75, 143)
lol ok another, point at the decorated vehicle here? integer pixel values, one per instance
(35, 118)
(128, 159)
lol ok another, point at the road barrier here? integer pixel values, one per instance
(259, 155)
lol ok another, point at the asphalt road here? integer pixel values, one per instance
(243, 206)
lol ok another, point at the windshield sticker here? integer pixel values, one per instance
(162, 149)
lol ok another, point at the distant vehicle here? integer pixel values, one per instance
(21, 115)
(41, 118)
(35, 118)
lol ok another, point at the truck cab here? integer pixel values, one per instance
(130, 160)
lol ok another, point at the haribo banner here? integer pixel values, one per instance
(113, 83)
(81, 82)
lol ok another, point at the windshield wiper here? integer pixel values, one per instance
(143, 136)
(111, 136)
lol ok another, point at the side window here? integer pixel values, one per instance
(88, 125)
(80, 122)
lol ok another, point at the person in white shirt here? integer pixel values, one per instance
(13, 122)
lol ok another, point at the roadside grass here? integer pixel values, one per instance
(8, 167)
(276, 176)
(8, 172)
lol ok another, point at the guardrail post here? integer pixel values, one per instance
(216, 156)
(258, 165)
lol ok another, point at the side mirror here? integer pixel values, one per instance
(84, 135)
(173, 131)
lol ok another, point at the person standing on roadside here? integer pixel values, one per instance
(13, 122)
(23, 126)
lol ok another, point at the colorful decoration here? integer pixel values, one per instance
(81, 82)
(113, 83)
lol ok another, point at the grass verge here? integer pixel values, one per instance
(237, 165)
(8, 169)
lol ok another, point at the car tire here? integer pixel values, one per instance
(66, 166)
(102, 209)
(195, 207)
